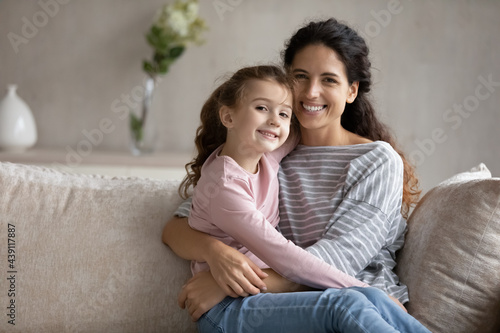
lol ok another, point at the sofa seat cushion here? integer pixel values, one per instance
(451, 257)
(88, 253)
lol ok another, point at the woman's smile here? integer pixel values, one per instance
(313, 108)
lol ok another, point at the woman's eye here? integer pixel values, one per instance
(330, 80)
(300, 77)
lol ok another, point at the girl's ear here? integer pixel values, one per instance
(226, 116)
(353, 92)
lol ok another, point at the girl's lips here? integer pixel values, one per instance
(268, 134)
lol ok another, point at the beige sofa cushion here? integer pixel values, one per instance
(88, 253)
(451, 258)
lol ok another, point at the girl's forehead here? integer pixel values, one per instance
(266, 89)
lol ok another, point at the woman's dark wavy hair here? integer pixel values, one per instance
(211, 133)
(359, 117)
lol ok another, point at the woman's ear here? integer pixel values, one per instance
(353, 92)
(226, 116)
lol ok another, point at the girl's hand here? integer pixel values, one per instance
(234, 272)
(200, 294)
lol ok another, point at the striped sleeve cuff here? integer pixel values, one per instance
(184, 209)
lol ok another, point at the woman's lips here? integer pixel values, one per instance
(312, 108)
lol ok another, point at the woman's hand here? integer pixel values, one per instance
(234, 272)
(279, 284)
(398, 303)
(200, 294)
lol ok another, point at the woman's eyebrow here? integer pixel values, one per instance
(330, 74)
(298, 70)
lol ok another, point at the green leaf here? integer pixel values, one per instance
(136, 127)
(148, 67)
(164, 65)
(176, 52)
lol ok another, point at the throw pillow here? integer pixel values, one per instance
(451, 258)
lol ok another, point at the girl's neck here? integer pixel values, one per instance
(245, 158)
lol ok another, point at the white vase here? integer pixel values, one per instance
(17, 125)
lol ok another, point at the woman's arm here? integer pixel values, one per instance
(367, 223)
(186, 242)
(233, 271)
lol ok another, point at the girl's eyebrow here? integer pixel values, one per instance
(268, 101)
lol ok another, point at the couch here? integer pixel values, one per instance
(83, 253)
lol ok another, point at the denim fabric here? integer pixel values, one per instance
(333, 310)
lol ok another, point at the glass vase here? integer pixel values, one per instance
(143, 132)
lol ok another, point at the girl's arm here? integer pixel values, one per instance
(234, 272)
(234, 212)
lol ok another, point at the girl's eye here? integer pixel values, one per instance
(261, 108)
(284, 115)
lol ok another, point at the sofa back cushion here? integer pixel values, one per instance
(451, 257)
(88, 253)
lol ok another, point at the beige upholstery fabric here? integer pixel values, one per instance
(451, 259)
(89, 256)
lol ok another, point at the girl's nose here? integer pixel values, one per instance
(274, 120)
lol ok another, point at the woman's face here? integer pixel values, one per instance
(321, 88)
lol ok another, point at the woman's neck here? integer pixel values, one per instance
(330, 137)
(245, 158)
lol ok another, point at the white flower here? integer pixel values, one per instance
(192, 11)
(179, 23)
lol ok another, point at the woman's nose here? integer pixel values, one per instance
(312, 89)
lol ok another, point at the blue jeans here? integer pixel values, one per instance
(333, 310)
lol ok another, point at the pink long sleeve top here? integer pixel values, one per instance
(241, 210)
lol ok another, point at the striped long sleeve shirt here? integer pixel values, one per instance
(343, 204)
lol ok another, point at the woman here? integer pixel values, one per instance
(343, 190)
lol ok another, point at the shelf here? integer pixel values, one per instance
(163, 165)
(71, 158)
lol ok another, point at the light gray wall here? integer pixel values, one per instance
(430, 59)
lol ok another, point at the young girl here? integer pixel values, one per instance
(235, 200)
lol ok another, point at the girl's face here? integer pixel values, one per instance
(321, 88)
(260, 122)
